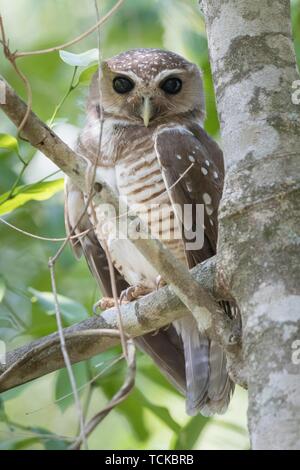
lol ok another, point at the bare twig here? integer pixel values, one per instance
(198, 300)
(77, 39)
(12, 59)
(118, 398)
(90, 383)
(45, 239)
(64, 98)
(13, 56)
(105, 246)
(149, 313)
(66, 355)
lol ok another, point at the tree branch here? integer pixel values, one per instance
(199, 301)
(143, 316)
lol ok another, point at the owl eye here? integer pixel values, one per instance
(122, 85)
(172, 86)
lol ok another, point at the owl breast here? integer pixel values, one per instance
(139, 182)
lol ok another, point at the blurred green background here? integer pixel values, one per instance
(39, 415)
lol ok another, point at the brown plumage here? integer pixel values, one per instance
(155, 153)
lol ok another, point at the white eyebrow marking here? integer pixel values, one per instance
(165, 73)
(127, 73)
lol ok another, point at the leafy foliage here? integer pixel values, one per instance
(153, 416)
(30, 192)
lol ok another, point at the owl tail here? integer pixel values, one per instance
(208, 386)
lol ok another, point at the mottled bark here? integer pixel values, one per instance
(254, 67)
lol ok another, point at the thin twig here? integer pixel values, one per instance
(62, 101)
(112, 362)
(104, 243)
(66, 355)
(77, 39)
(119, 397)
(12, 59)
(13, 56)
(45, 239)
(128, 212)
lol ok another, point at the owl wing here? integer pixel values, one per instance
(165, 347)
(192, 167)
(77, 221)
(193, 171)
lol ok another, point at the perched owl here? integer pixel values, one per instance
(154, 152)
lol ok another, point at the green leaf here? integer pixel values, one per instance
(18, 444)
(63, 387)
(39, 436)
(9, 142)
(133, 411)
(56, 444)
(22, 194)
(190, 433)
(86, 75)
(71, 311)
(160, 412)
(41, 323)
(14, 392)
(135, 405)
(151, 372)
(135, 417)
(80, 60)
(48, 439)
(3, 416)
(2, 288)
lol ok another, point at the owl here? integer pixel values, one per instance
(155, 154)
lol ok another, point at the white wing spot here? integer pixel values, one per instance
(191, 159)
(211, 222)
(206, 198)
(189, 187)
(216, 176)
(204, 170)
(179, 157)
(207, 163)
(209, 210)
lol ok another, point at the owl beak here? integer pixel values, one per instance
(146, 110)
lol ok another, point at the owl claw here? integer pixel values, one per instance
(104, 304)
(128, 295)
(134, 293)
(159, 282)
(155, 332)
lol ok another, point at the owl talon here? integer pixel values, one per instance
(104, 304)
(159, 282)
(155, 333)
(134, 292)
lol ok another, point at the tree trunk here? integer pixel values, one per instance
(254, 68)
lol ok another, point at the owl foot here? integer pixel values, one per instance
(134, 293)
(159, 282)
(104, 304)
(164, 328)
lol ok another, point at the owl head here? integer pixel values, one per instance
(148, 86)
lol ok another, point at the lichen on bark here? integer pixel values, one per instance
(254, 68)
